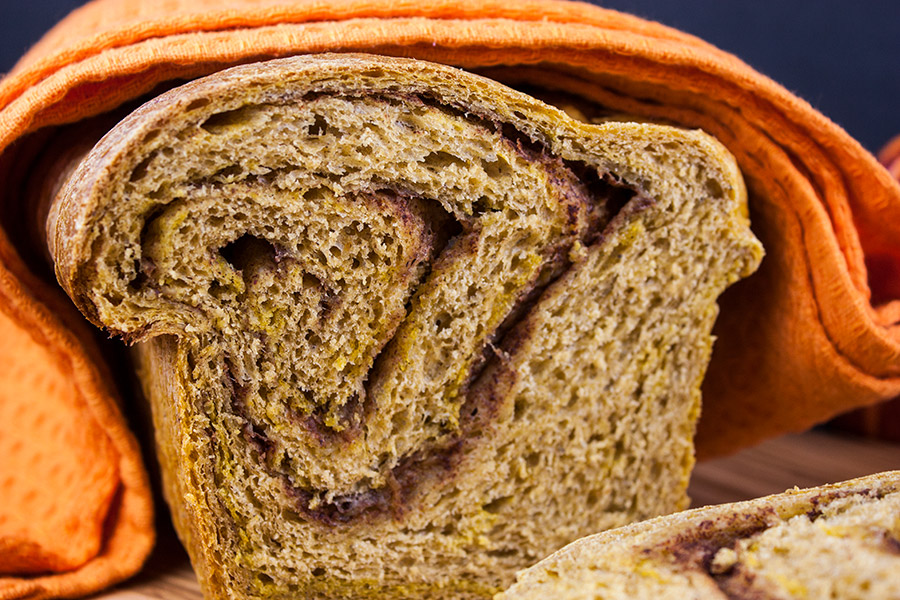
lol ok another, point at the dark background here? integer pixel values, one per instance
(841, 56)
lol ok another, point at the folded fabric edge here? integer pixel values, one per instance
(128, 530)
(105, 24)
(127, 536)
(880, 421)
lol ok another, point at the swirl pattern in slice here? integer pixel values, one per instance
(404, 329)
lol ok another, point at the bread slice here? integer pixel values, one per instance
(404, 330)
(835, 541)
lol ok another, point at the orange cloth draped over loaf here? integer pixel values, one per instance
(880, 421)
(810, 335)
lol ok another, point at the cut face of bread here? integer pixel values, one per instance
(836, 541)
(404, 330)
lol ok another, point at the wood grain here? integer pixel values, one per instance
(804, 460)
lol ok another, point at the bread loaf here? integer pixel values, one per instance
(835, 541)
(404, 330)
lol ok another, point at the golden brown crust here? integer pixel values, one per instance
(163, 389)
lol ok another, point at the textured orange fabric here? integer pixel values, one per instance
(885, 269)
(880, 421)
(808, 336)
(890, 156)
(75, 508)
(82, 466)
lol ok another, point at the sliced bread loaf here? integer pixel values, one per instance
(838, 541)
(404, 330)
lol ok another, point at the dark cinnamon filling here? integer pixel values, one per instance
(694, 550)
(591, 202)
(435, 464)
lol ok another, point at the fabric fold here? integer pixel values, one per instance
(812, 334)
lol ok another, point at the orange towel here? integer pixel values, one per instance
(812, 334)
(890, 156)
(880, 421)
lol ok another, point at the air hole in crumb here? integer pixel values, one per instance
(495, 506)
(218, 291)
(150, 136)
(221, 122)
(520, 407)
(198, 103)
(246, 249)
(319, 126)
(318, 572)
(141, 275)
(714, 188)
(311, 282)
(228, 172)
(377, 311)
(498, 168)
(619, 450)
(442, 160)
(314, 194)
(140, 171)
(442, 320)
(480, 206)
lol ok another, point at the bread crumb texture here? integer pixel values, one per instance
(405, 330)
(839, 541)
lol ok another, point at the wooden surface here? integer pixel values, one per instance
(803, 460)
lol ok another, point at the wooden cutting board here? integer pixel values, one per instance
(804, 460)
